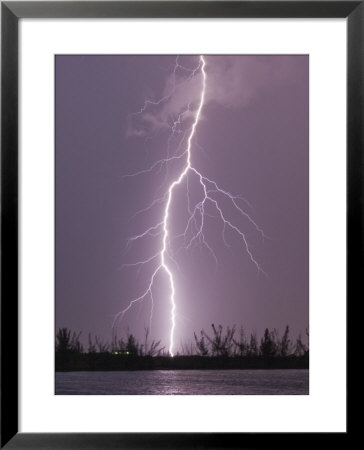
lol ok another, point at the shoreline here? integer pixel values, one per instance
(106, 362)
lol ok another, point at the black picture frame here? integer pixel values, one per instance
(11, 12)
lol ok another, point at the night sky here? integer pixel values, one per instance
(252, 140)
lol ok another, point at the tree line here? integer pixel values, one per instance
(225, 343)
(219, 342)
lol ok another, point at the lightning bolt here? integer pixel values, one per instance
(196, 222)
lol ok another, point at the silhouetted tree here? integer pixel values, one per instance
(66, 343)
(285, 344)
(102, 347)
(253, 345)
(91, 344)
(268, 346)
(132, 346)
(300, 348)
(221, 344)
(308, 341)
(201, 345)
(63, 340)
(241, 345)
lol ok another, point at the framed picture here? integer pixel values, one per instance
(181, 218)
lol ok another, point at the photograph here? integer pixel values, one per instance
(181, 224)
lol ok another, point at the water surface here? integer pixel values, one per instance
(184, 382)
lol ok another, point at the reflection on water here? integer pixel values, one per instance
(184, 382)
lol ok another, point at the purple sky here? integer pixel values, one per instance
(252, 140)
